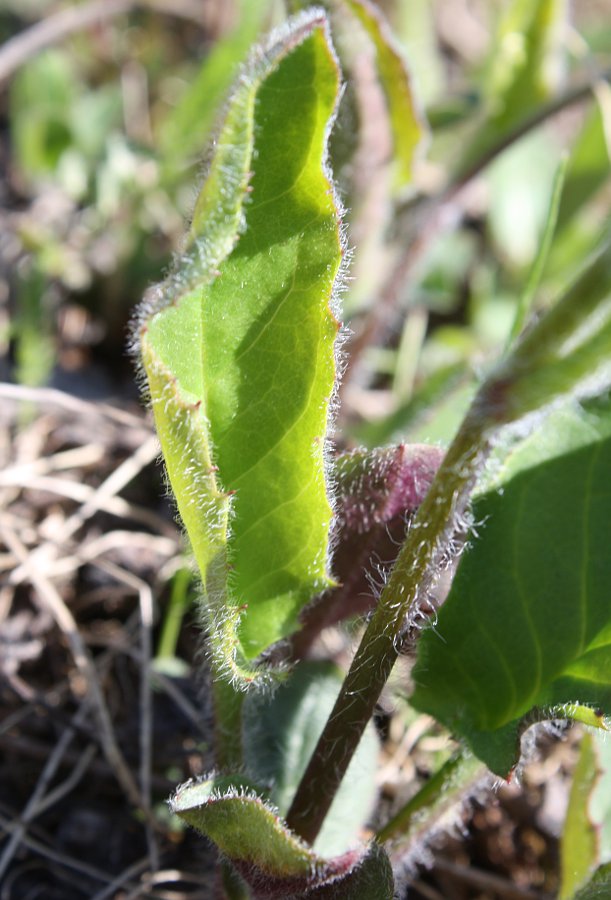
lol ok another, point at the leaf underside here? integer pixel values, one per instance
(238, 348)
(525, 633)
(270, 858)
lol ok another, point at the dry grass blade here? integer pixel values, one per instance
(62, 859)
(51, 601)
(145, 596)
(36, 800)
(58, 26)
(51, 397)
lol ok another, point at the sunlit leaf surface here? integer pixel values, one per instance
(238, 347)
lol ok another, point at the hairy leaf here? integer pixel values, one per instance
(272, 860)
(527, 625)
(238, 348)
(599, 887)
(370, 879)
(376, 492)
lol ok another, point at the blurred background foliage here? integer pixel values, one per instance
(102, 136)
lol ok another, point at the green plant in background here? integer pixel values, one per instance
(239, 347)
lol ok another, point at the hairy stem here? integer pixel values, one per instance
(560, 355)
(428, 541)
(228, 723)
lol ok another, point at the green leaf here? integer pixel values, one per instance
(186, 128)
(279, 737)
(599, 887)
(579, 844)
(244, 826)
(526, 58)
(371, 879)
(407, 124)
(238, 349)
(581, 216)
(41, 98)
(527, 624)
(526, 64)
(440, 385)
(588, 168)
(444, 790)
(568, 352)
(272, 860)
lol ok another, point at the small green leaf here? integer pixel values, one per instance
(401, 423)
(244, 827)
(238, 350)
(41, 98)
(443, 791)
(407, 124)
(579, 844)
(279, 737)
(588, 168)
(248, 831)
(527, 624)
(526, 60)
(568, 352)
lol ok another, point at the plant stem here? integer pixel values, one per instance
(558, 356)
(234, 888)
(440, 516)
(228, 723)
(172, 622)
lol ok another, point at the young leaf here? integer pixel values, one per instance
(376, 492)
(588, 168)
(573, 341)
(526, 626)
(238, 349)
(270, 858)
(370, 879)
(279, 736)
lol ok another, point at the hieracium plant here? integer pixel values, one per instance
(241, 354)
